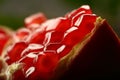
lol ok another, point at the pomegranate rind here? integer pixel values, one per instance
(98, 55)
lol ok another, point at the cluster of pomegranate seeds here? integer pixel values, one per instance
(4, 37)
(42, 43)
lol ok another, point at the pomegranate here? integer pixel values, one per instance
(77, 45)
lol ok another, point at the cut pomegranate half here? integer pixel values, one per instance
(78, 45)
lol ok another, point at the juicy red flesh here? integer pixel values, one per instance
(4, 37)
(44, 42)
(22, 34)
(16, 51)
(35, 20)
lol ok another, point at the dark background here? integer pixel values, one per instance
(13, 12)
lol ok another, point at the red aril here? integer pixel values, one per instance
(4, 38)
(22, 34)
(15, 52)
(37, 18)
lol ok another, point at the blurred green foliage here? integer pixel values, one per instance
(13, 12)
(11, 21)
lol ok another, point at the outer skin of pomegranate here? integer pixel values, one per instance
(98, 59)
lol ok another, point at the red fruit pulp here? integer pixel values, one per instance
(22, 34)
(45, 45)
(15, 51)
(35, 20)
(4, 37)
